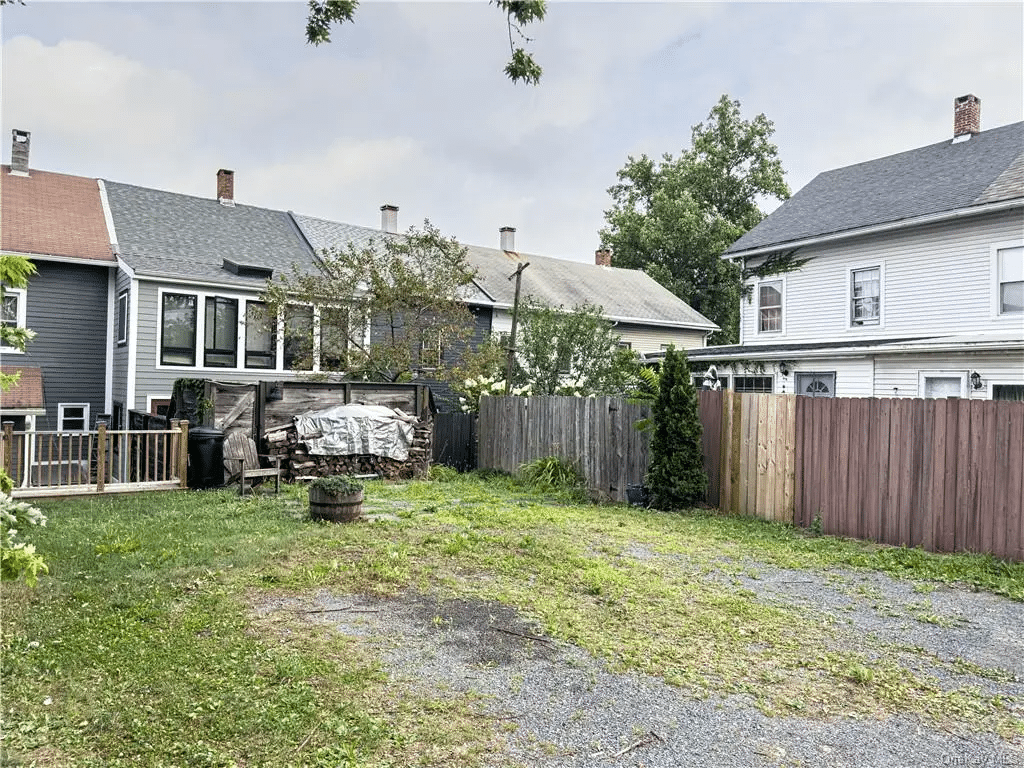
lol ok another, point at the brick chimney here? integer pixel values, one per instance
(507, 238)
(389, 219)
(226, 186)
(966, 115)
(603, 257)
(19, 152)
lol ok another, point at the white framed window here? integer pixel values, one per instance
(864, 289)
(1006, 391)
(770, 295)
(221, 333)
(762, 384)
(122, 317)
(72, 417)
(1008, 280)
(12, 313)
(260, 337)
(178, 319)
(810, 384)
(939, 384)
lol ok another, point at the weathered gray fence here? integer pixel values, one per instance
(598, 434)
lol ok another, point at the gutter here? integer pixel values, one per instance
(931, 218)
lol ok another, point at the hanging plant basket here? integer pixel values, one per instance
(337, 499)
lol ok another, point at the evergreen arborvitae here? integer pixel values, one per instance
(676, 476)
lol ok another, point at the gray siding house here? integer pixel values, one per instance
(56, 221)
(190, 273)
(914, 281)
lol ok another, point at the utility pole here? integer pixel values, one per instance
(515, 321)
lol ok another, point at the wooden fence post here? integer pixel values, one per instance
(183, 454)
(101, 456)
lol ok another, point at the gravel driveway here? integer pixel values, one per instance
(569, 709)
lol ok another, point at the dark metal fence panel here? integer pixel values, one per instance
(455, 440)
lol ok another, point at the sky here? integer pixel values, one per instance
(409, 105)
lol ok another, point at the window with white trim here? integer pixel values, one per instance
(298, 337)
(763, 384)
(221, 332)
(1010, 279)
(939, 384)
(260, 339)
(12, 312)
(769, 307)
(122, 317)
(865, 296)
(72, 417)
(178, 329)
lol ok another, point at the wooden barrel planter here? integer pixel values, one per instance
(335, 507)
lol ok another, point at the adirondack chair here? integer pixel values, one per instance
(244, 463)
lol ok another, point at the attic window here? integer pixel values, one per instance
(248, 270)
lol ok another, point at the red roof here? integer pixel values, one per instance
(27, 393)
(52, 214)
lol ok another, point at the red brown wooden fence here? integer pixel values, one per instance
(945, 475)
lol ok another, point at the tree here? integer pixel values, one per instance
(17, 558)
(408, 290)
(571, 352)
(676, 476)
(674, 218)
(521, 66)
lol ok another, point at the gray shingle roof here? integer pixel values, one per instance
(939, 178)
(624, 294)
(164, 234)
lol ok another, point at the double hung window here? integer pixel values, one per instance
(769, 307)
(1010, 266)
(866, 296)
(72, 417)
(298, 337)
(221, 333)
(178, 340)
(260, 339)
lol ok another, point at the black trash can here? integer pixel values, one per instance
(205, 457)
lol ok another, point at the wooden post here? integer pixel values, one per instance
(7, 451)
(101, 456)
(512, 336)
(183, 454)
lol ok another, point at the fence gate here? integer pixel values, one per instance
(455, 440)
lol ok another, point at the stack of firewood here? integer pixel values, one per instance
(299, 464)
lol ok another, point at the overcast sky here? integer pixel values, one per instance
(410, 106)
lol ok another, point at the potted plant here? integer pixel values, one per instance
(337, 498)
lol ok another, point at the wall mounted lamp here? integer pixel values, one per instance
(976, 382)
(784, 369)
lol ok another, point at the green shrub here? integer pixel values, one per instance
(676, 474)
(552, 472)
(441, 474)
(338, 485)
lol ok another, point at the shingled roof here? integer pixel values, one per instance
(52, 214)
(625, 295)
(169, 235)
(941, 178)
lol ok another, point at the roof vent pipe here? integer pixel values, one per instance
(389, 219)
(508, 238)
(19, 152)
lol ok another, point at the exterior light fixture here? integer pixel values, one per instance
(976, 382)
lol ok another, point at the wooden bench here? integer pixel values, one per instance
(240, 448)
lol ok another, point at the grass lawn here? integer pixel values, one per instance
(141, 648)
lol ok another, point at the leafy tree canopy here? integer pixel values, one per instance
(14, 273)
(570, 352)
(409, 290)
(674, 218)
(521, 65)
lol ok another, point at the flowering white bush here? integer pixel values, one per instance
(472, 389)
(18, 559)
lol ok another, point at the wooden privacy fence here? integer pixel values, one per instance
(454, 442)
(597, 434)
(102, 461)
(945, 475)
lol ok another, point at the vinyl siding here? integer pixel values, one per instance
(898, 375)
(937, 281)
(66, 306)
(156, 381)
(854, 377)
(119, 385)
(644, 338)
